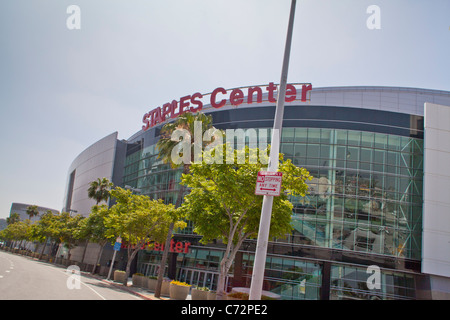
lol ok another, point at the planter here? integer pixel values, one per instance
(197, 294)
(151, 284)
(65, 262)
(179, 292)
(165, 288)
(119, 276)
(138, 280)
(211, 295)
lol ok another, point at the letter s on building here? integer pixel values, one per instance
(146, 122)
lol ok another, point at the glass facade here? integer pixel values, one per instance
(365, 198)
(199, 267)
(350, 283)
(145, 171)
(366, 194)
(292, 279)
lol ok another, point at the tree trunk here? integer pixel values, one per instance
(162, 265)
(42, 251)
(84, 251)
(225, 264)
(130, 259)
(52, 249)
(221, 281)
(99, 256)
(69, 254)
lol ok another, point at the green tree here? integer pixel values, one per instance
(168, 147)
(222, 203)
(93, 229)
(99, 189)
(13, 218)
(4, 235)
(44, 229)
(18, 231)
(138, 221)
(66, 229)
(21, 231)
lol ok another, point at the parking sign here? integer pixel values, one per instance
(268, 183)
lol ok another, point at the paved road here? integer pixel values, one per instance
(24, 278)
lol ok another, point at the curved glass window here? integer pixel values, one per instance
(366, 194)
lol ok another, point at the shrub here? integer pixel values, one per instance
(267, 298)
(202, 288)
(179, 283)
(239, 295)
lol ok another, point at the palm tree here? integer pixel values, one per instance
(99, 189)
(165, 146)
(32, 211)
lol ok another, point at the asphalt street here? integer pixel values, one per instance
(24, 278)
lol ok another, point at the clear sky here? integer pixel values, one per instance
(62, 90)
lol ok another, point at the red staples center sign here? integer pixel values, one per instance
(268, 183)
(219, 98)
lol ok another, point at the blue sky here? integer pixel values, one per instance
(61, 90)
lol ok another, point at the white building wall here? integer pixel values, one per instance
(436, 207)
(97, 161)
(21, 210)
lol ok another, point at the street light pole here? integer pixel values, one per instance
(266, 211)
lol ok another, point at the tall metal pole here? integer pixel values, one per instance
(118, 240)
(112, 264)
(259, 264)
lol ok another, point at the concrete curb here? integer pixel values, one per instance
(128, 289)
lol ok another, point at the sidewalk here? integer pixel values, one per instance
(138, 291)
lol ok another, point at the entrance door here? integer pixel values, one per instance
(150, 269)
(200, 278)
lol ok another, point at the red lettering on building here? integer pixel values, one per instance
(213, 98)
(236, 97)
(198, 103)
(179, 247)
(193, 103)
(305, 89)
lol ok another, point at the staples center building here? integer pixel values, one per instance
(380, 194)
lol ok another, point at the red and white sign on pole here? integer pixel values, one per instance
(268, 183)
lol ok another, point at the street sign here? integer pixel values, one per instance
(117, 246)
(268, 183)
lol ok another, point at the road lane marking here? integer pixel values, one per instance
(102, 297)
(93, 290)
